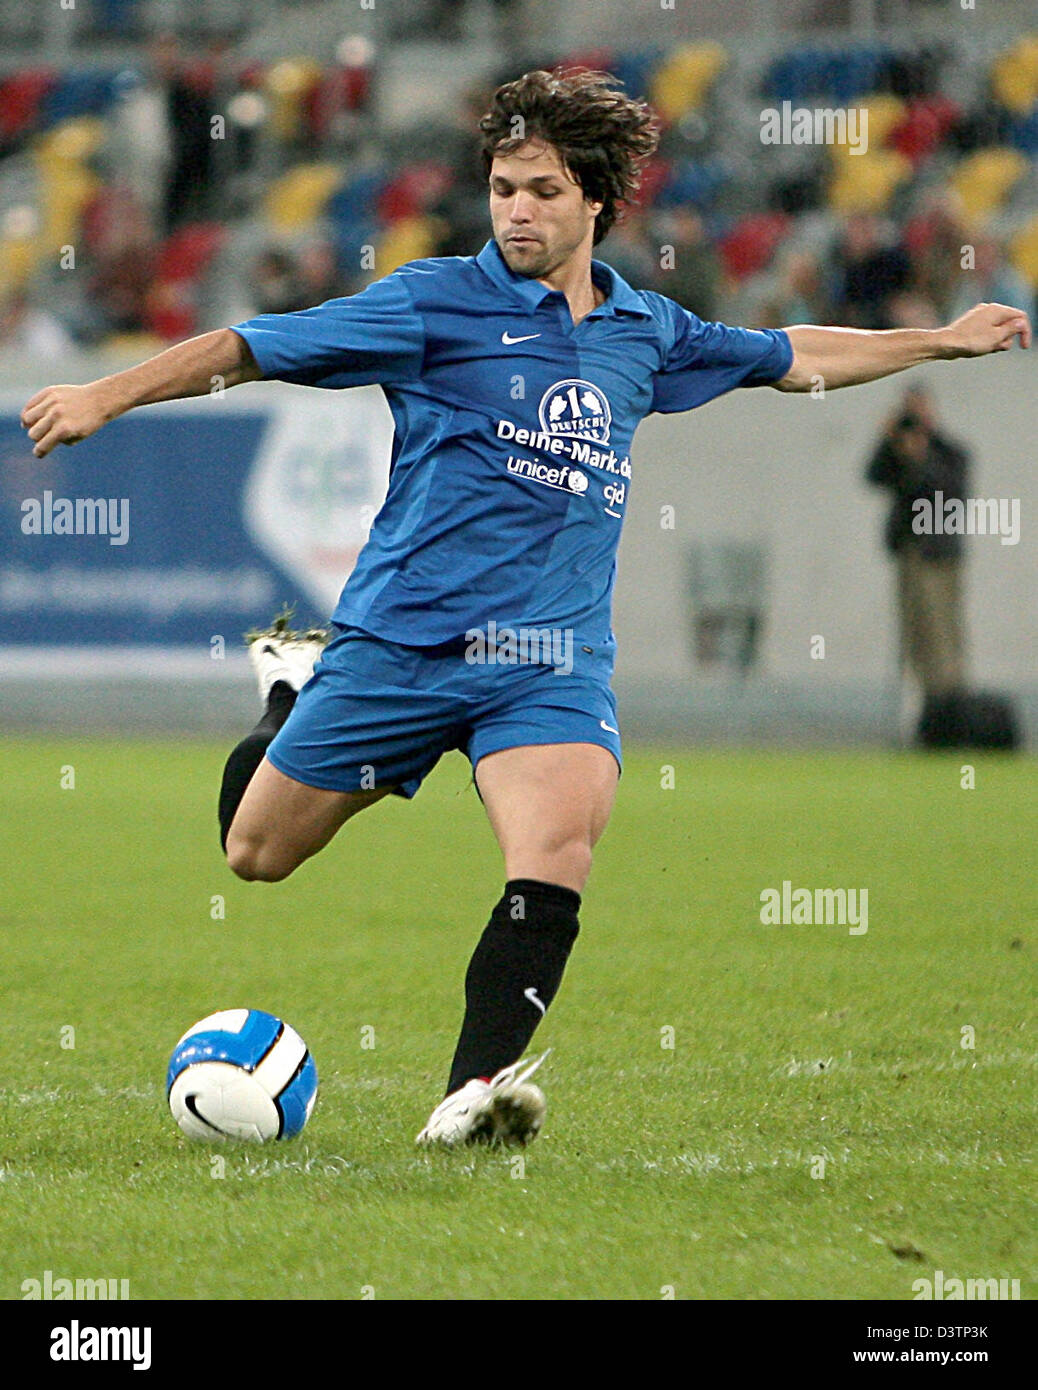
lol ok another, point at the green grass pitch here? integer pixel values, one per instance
(818, 1129)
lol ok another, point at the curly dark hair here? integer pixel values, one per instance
(602, 135)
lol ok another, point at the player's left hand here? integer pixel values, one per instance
(987, 328)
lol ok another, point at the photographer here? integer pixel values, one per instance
(915, 462)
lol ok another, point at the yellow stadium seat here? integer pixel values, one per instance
(884, 114)
(132, 346)
(683, 82)
(1014, 76)
(298, 197)
(288, 83)
(866, 182)
(73, 140)
(19, 257)
(407, 239)
(1023, 252)
(984, 180)
(65, 189)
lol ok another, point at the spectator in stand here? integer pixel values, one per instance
(935, 239)
(462, 210)
(871, 268)
(695, 278)
(632, 252)
(123, 258)
(189, 113)
(795, 292)
(912, 308)
(318, 274)
(991, 281)
(141, 146)
(275, 286)
(447, 21)
(27, 331)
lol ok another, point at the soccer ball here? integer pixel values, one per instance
(241, 1074)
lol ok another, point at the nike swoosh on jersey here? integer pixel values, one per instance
(508, 340)
(608, 727)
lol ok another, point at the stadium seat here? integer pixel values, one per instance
(1023, 252)
(694, 181)
(839, 74)
(1024, 134)
(635, 70)
(597, 59)
(923, 127)
(1014, 76)
(866, 182)
(78, 94)
(66, 186)
(72, 140)
(356, 201)
(19, 257)
(415, 188)
(127, 346)
(409, 239)
(684, 80)
(189, 251)
(21, 95)
(656, 173)
(171, 313)
(299, 196)
(795, 75)
(288, 83)
(984, 180)
(339, 89)
(752, 242)
(885, 114)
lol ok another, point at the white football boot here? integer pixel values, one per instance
(505, 1110)
(279, 654)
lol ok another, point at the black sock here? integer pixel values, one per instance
(520, 957)
(248, 755)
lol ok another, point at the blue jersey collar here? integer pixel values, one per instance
(620, 298)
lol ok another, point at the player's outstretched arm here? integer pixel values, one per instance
(67, 414)
(849, 356)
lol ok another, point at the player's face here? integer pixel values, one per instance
(539, 213)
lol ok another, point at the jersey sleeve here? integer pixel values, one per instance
(704, 360)
(374, 337)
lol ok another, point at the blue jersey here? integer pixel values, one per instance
(511, 461)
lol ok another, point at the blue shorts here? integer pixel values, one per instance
(376, 713)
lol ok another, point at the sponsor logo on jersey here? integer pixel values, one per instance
(575, 409)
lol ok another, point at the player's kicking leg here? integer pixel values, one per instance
(547, 805)
(270, 823)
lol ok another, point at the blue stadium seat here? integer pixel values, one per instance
(357, 200)
(635, 70)
(1023, 134)
(694, 181)
(78, 94)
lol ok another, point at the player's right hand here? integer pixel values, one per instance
(64, 415)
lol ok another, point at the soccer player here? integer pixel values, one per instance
(478, 614)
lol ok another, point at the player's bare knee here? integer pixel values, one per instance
(567, 861)
(255, 862)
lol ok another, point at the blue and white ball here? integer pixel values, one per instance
(241, 1074)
